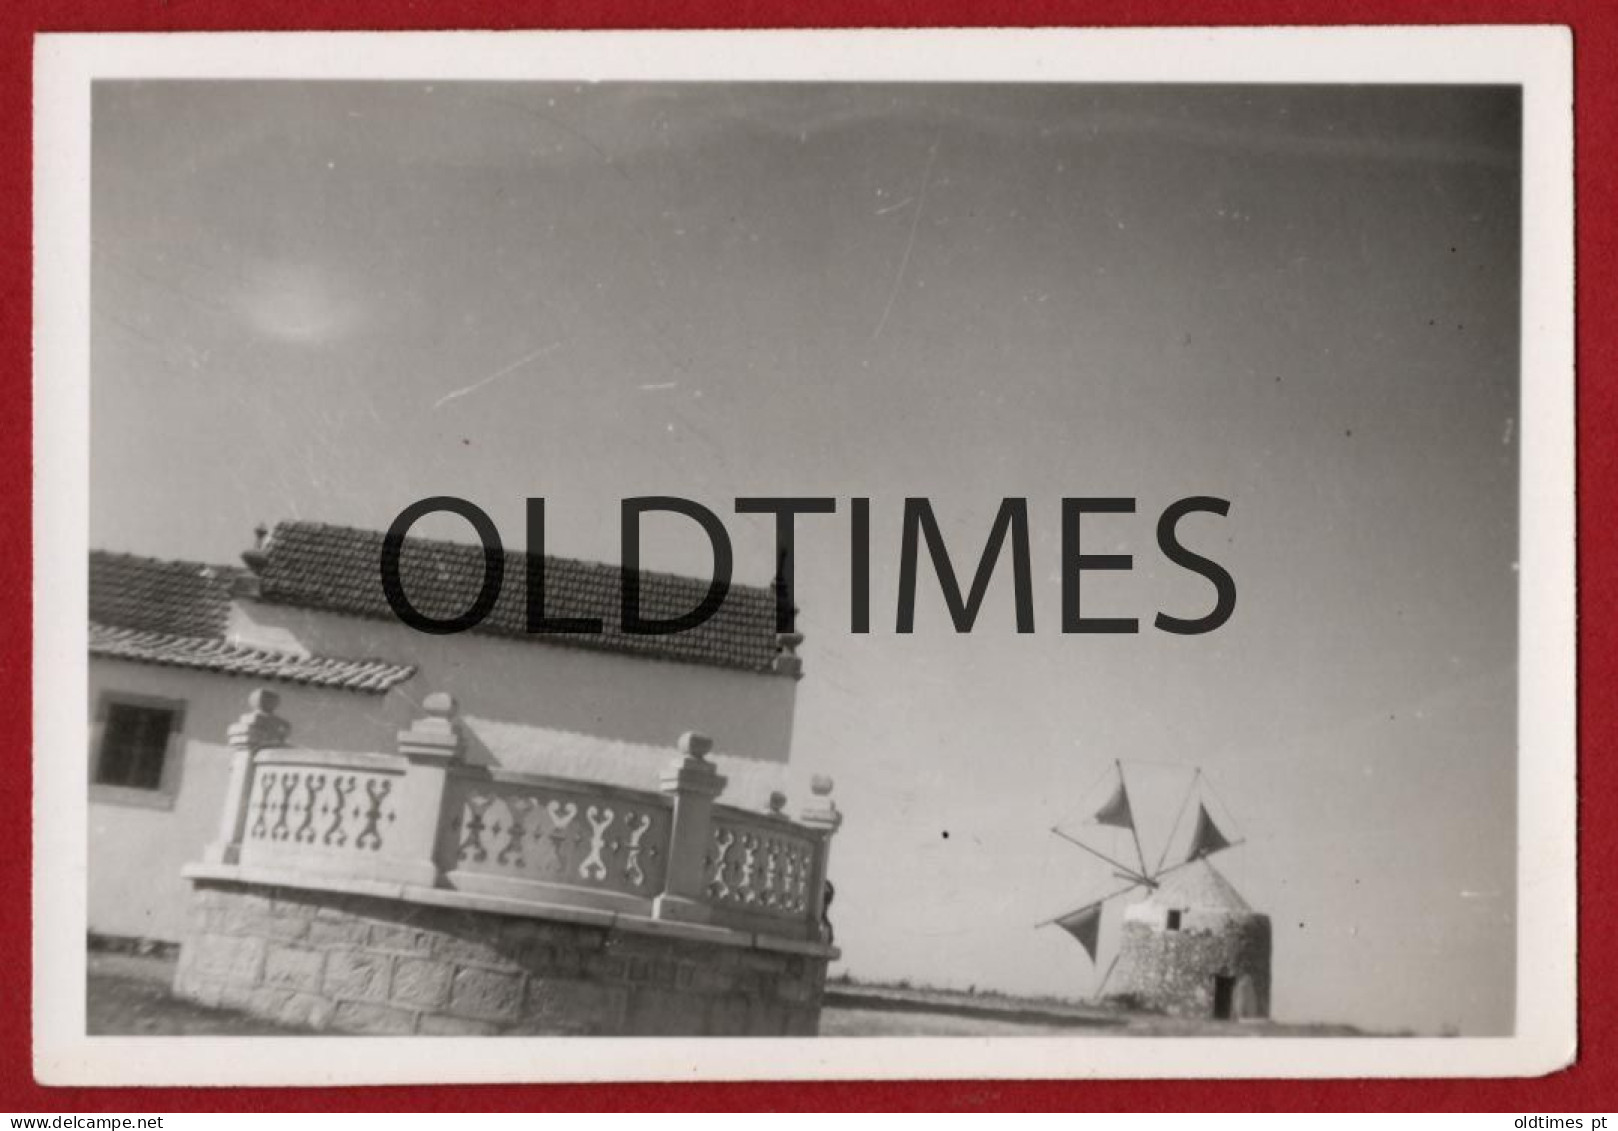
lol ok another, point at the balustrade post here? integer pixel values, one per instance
(822, 816)
(694, 783)
(259, 729)
(431, 745)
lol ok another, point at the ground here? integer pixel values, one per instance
(128, 995)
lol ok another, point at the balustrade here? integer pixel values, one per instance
(423, 817)
(520, 834)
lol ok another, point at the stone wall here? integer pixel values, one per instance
(1173, 971)
(362, 964)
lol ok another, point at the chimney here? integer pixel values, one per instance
(248, 584)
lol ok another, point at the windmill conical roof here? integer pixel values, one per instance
(1199, 885)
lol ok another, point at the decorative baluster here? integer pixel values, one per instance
(747, 871)
(518, 809)
(471, 849)
(259, 729)
(636, 824)
(313, 783)
(341, 786)
(600, 818)
(718, 865)
(286, 781)
(561, 814)
(376, 793)
(772, 872)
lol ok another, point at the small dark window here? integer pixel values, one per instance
(134, 742)
(1174, 921)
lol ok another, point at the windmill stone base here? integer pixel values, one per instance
(1194, 948)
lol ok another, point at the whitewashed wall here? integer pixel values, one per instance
(525, 706)
(557, 710)
(138, 844)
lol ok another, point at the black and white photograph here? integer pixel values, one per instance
(1073, 561)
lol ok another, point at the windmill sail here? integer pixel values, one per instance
(1206, 839)
(1115, 811)
(1085, 926)
(1084, 923)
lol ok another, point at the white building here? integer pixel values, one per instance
(175, 647)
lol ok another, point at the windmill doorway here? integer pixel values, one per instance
(1224, 996)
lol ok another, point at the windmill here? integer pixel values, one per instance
(1118, 812)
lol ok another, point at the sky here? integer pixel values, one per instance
(326, 301)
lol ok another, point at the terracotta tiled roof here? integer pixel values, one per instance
(339, 569)
(216, 655)
(176, 613)
(184, 598)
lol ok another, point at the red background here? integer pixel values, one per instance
(1584, 1087)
